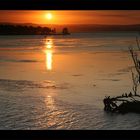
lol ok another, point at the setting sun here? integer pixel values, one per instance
(49, 16)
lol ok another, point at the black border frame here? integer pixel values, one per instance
(69, 135)
(69, 5)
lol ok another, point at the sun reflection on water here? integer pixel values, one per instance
(51, 108)
(49, 53)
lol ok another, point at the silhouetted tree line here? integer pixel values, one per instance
(23, 30)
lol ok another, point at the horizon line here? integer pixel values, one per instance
(70, 24)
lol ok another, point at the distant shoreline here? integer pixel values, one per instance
(44, 30)
(59, 34)
(30, 30)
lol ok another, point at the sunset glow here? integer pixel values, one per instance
(69, 69)
(71, 16)
(49, 16)
(48, 43)
(49, 59)
(48, 54)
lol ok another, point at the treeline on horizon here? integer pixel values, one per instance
(23, 30)
(34, 29)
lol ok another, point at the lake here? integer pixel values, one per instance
(59, 82)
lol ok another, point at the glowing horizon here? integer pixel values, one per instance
(118, 17)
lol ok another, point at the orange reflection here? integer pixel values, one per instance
(51, 107)
(49, 54)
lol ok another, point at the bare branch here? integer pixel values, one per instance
(136, 82)
(136, 61)
(137, 40)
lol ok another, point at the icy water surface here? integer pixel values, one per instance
(59, 82)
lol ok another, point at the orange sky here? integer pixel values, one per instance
(72, 16)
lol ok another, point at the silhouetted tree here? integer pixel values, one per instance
(23, 30)
(65, 31)
(136, 76)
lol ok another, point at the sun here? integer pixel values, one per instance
(49, 16)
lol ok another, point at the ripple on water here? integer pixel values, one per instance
(33, 111)
(21, 85)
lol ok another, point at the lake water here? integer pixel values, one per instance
(59, 82)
